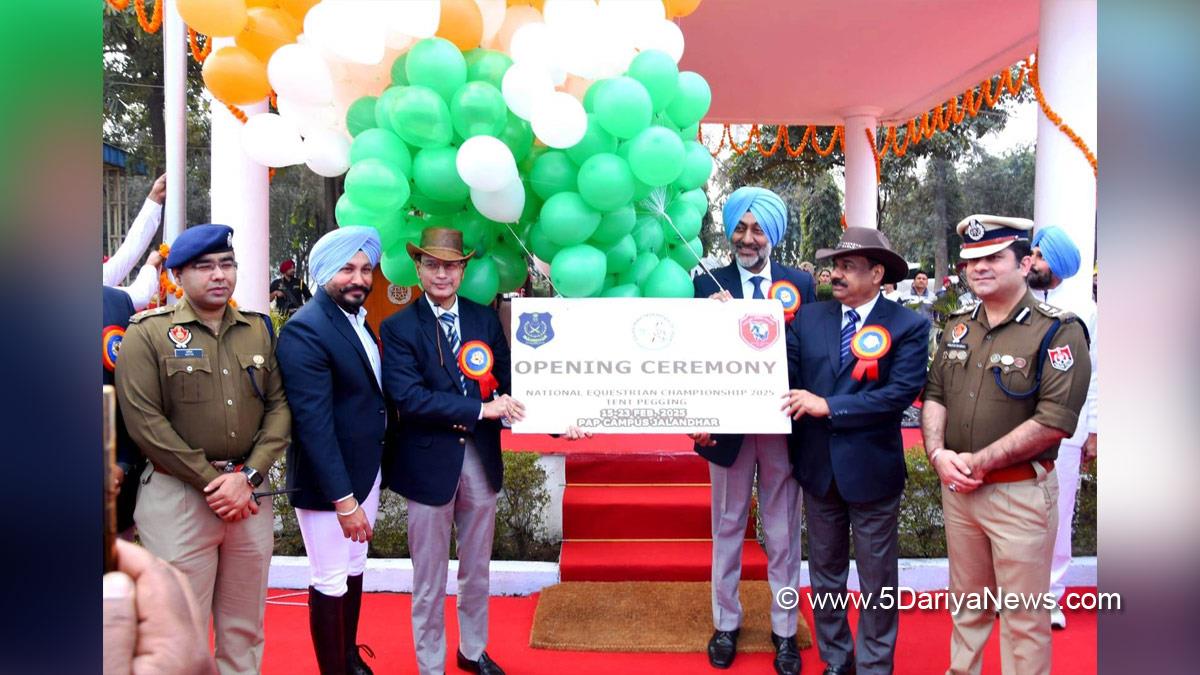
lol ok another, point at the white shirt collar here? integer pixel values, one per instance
(437, 309)
(360, 318)
(863, 310)
(745, 275)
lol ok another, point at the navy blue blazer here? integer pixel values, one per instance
(117, 307)
(423, 382)
(725, 452)
(859, 444)
(339, 413)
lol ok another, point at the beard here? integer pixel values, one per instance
(348, 298)
(1039, 281)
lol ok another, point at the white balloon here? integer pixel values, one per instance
(272, 140)
(569, 15)
(664, 36)
(327, 153)
(559, 120)
(352, 30)
(493, 17)
(298, 71)
(308, 118)
(417, 18)
(534, 45)
(632, 13)
(523, 86)
(503, 205)
(485, 163)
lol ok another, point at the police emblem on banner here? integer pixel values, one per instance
(110, 344)
(534, 329)
(1061, 358)
(759, 330)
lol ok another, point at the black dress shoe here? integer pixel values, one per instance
(787, 655)
(722, 647)
(840, 670)
(484, 665)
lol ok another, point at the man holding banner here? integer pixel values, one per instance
(755, 221)
(855, 364)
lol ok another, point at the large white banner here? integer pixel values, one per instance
(649, 365)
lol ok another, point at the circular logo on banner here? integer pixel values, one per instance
(399, 295)
(475, 359)
(653, 331)
(110, 344)
(871, 343)
(785, 292)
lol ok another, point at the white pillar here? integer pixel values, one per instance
(862, 191)
(1064, 187)
(174, 38)
(239, 199)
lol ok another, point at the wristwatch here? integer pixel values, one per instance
(253, 477)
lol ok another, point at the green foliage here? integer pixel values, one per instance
(1083, 534)
(824, 292)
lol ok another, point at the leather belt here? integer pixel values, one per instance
(223, 465)
(1017, 472)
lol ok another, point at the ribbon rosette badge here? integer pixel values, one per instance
(475, 361)
(788, 295)
(869, 345)
(110, 342)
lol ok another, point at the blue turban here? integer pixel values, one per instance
(336, 248)
(768, 209)
(1059, 251)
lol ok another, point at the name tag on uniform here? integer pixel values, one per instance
(956, 346)
(189, 353)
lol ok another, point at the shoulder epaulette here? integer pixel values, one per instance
(960, 312)
(1055, 312)
(151, 312)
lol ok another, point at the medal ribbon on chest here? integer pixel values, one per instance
(475, 360)
(869, 345)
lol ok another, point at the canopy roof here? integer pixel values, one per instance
(810, 61)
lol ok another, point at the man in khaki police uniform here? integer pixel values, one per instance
(203, 399)
(1006, 386)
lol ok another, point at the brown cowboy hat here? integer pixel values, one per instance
(442, 243)
(873, 244)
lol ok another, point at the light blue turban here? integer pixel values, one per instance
(768, 209)
(336, 248)
(1059, 251)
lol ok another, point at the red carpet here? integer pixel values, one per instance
(642, 517)
(923, 645)
(621, 444)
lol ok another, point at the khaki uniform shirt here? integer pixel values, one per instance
(187, 394)
(962, 375)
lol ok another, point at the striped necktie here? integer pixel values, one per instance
(848, 334)
(447, 320)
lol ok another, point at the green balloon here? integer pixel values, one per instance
(533, 204)
(360, 116)
(398, 267)
(621, 254)
(385, 104)
(477, 109)
(568, 219)
(486, 65)
(691, 100)
(377, 185)
(435, 175)
(690, 133)
(347, 213)
(697, 166)
(381, 144)
(578, 271)
(648, 234)
(392, 234)
(589, 96)
(615, 224)
(595, 140)
(605, 182)
(658, 74)
(481, 280)
(518, 136)
(476, 229)
(430, 206)
(552, 173)
(656, 156)
(622, 291)
(541, 245)
(668, 280)
(697, 199)
(436, 63)
(685, 219)
(686, 254)
(399, 76)
(511, 265)
(421, 117)
(642, 267)
(623, 107)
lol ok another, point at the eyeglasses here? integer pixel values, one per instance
(438, 265)
(227, 266)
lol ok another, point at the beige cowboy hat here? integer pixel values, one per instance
(873, 244)
(442, 243)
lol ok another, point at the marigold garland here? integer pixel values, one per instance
(782, 140)
(152, 24)
(118, 5)
(1057, 120)
(199, 53)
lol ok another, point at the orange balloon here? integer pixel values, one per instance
(273, 4)
(461, 23)
(235, 75)
(297, 8)
(513, 19)
(217, 18)
(538, 4)
(678, 8)
(267, 30)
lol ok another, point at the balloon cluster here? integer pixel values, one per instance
(563, 128)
